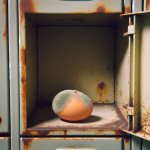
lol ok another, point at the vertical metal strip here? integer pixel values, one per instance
(136, 143)
(131, 74)
(13, 67)
(136, 75)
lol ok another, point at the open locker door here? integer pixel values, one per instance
(138, 109)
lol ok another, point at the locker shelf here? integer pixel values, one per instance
(105, 120)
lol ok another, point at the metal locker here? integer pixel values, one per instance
(82, 45)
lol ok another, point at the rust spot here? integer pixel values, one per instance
(101, 8)
(101, 89)
(27, 6)
(127, 9)
(126, 140)
(23, 86)
(27, 142)
(147, 4)
(1, 120)
(5, 33)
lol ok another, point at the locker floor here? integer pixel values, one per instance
(104, 118)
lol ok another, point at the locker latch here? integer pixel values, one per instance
(131, 30)
(130, 111)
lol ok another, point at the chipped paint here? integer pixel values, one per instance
(102, 89)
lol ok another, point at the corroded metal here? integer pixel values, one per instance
(127, 6)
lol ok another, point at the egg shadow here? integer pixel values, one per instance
(90, 119)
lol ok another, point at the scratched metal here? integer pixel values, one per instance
(71, 143)
(4, 96)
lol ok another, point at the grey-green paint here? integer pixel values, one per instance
(14, 73)
(71, 143)
(4, 143)
(4, 92)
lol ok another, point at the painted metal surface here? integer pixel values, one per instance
(4, 143)
(4, 92)
(71, 143)
(136, 143)
(127, 6)
(13, 67)
(137, 5)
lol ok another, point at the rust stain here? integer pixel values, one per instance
(4, 12)
(23, 86)
(27, 142)
(147, 4)
(127, 9)
(27, 6)
(100, 8)
(126, 140)
(102, 89)
(5, 32)
(1, 120)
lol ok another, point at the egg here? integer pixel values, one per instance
(72, 105)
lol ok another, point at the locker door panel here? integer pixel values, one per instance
(4, 143)
(71, 143)
(4, 96)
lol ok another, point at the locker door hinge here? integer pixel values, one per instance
(131, 30)
(130, 111)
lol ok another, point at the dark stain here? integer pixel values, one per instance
(127, 9)
(27, 142)
(65, 132)
(43, 132)
(101, 89)
(1, 120)
(101, 8)
(147, 4)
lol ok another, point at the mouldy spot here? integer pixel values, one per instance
(101, 8)
(27, 143)
(1, 120)
(127, 9)
(101, 89)
(147, 4)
